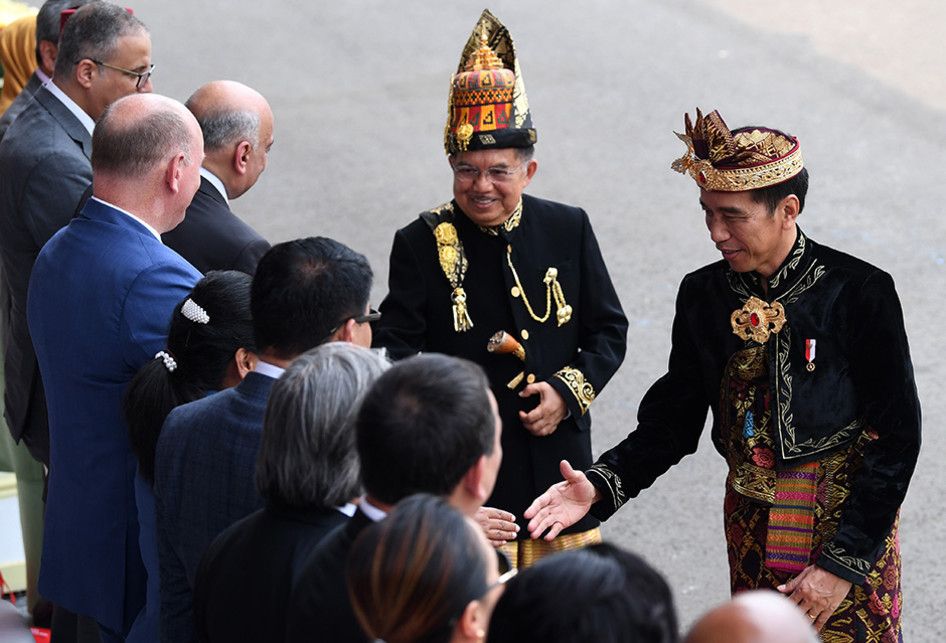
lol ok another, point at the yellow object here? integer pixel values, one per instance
(526, 553)
(17, 49)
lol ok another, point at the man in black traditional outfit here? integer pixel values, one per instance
(514, 283)
(801, 353)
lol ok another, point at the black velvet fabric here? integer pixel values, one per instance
(862, 380)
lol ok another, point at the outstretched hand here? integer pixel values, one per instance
(564, 504)
(817, 592)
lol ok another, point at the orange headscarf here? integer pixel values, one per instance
(18, 57)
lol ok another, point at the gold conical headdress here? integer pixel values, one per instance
(487, 107)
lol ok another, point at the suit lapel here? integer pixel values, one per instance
(207, 188)
(66, 120)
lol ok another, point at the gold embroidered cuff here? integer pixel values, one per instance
(612, 481)
(583, 391)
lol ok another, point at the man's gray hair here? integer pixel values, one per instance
(307, 454)
(225, 127)
(132, 148)
(93, 32)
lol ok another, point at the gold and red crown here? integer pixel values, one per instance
(488, 107)
(747, 158)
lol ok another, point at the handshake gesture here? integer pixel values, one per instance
(564, 504)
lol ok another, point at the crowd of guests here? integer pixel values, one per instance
(227, 456)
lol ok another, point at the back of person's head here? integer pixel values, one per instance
(422, 426)
(206, 330)
(760, 616)
(600, 594)
(93, 32)
(424, 573)
(303, 290)
(307, 453)
(137, 133)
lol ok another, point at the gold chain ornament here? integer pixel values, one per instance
(453, 263)
(563, 312)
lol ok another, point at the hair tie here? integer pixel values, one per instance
(194, 312)
(169, 362)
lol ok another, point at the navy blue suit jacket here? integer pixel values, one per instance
(204, 481)
(100, 300)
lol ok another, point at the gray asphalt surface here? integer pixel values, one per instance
(359, 93)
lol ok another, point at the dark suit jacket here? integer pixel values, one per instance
(418, 316)
(319, 608)
(100, 299)
(19, 103)
(243, 582)
(213, 238)
(204, 481)
(45, 168)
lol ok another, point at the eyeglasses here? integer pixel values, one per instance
(469, 174)
(506, 571)
(368, 318)
(142, 76)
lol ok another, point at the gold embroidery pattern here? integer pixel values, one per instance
(613, 482)
(797, 254)
(839, 555)
(583, 391)
(508, 225)
(757, 320)
(454, 264)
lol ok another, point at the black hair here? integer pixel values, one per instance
(772, 195)
(202, 353)
(303, 289)
(601, 594)
(422, 425)
(411, 576)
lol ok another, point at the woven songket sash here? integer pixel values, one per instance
(792, 518)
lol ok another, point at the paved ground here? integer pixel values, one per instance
(359, 91)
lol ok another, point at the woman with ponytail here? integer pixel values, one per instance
(210, 347)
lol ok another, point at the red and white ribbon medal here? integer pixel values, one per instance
(810, 354)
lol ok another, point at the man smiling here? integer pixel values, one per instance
(496, 260)
(800, 352)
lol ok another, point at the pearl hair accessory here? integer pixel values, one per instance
(169, 362)
(194, 312)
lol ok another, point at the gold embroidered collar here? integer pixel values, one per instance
(508, 225)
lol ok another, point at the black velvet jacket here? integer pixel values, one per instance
(577, 358)
(862, 380)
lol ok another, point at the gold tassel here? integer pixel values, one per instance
(461, 317)
(516, 381)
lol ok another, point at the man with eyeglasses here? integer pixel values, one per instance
(46, 169)
(495, 260)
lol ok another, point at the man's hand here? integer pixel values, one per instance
(543, 419)
(817, 592)
(498, 525)
(564, 504)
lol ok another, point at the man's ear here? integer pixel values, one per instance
(473, 479)
(345, 332)
(789, 208)
(85, 72)
(174, 172)
(241, 157)
(245, 361)
(47, 54)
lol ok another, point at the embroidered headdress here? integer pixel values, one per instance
(747, 158)
(488, 107)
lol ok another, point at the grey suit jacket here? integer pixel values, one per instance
(45, 168)
(19, 103)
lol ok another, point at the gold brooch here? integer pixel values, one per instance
(453, 263)
(757, 320)
(464, 134)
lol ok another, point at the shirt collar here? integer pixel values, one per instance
(70, 104)
(129, 214)
(376, 515)
(348, 509)
(216, 182)
(269, 370)
(43, 78)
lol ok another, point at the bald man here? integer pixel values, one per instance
(760, 616)
(237, 124)
(100, 299)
